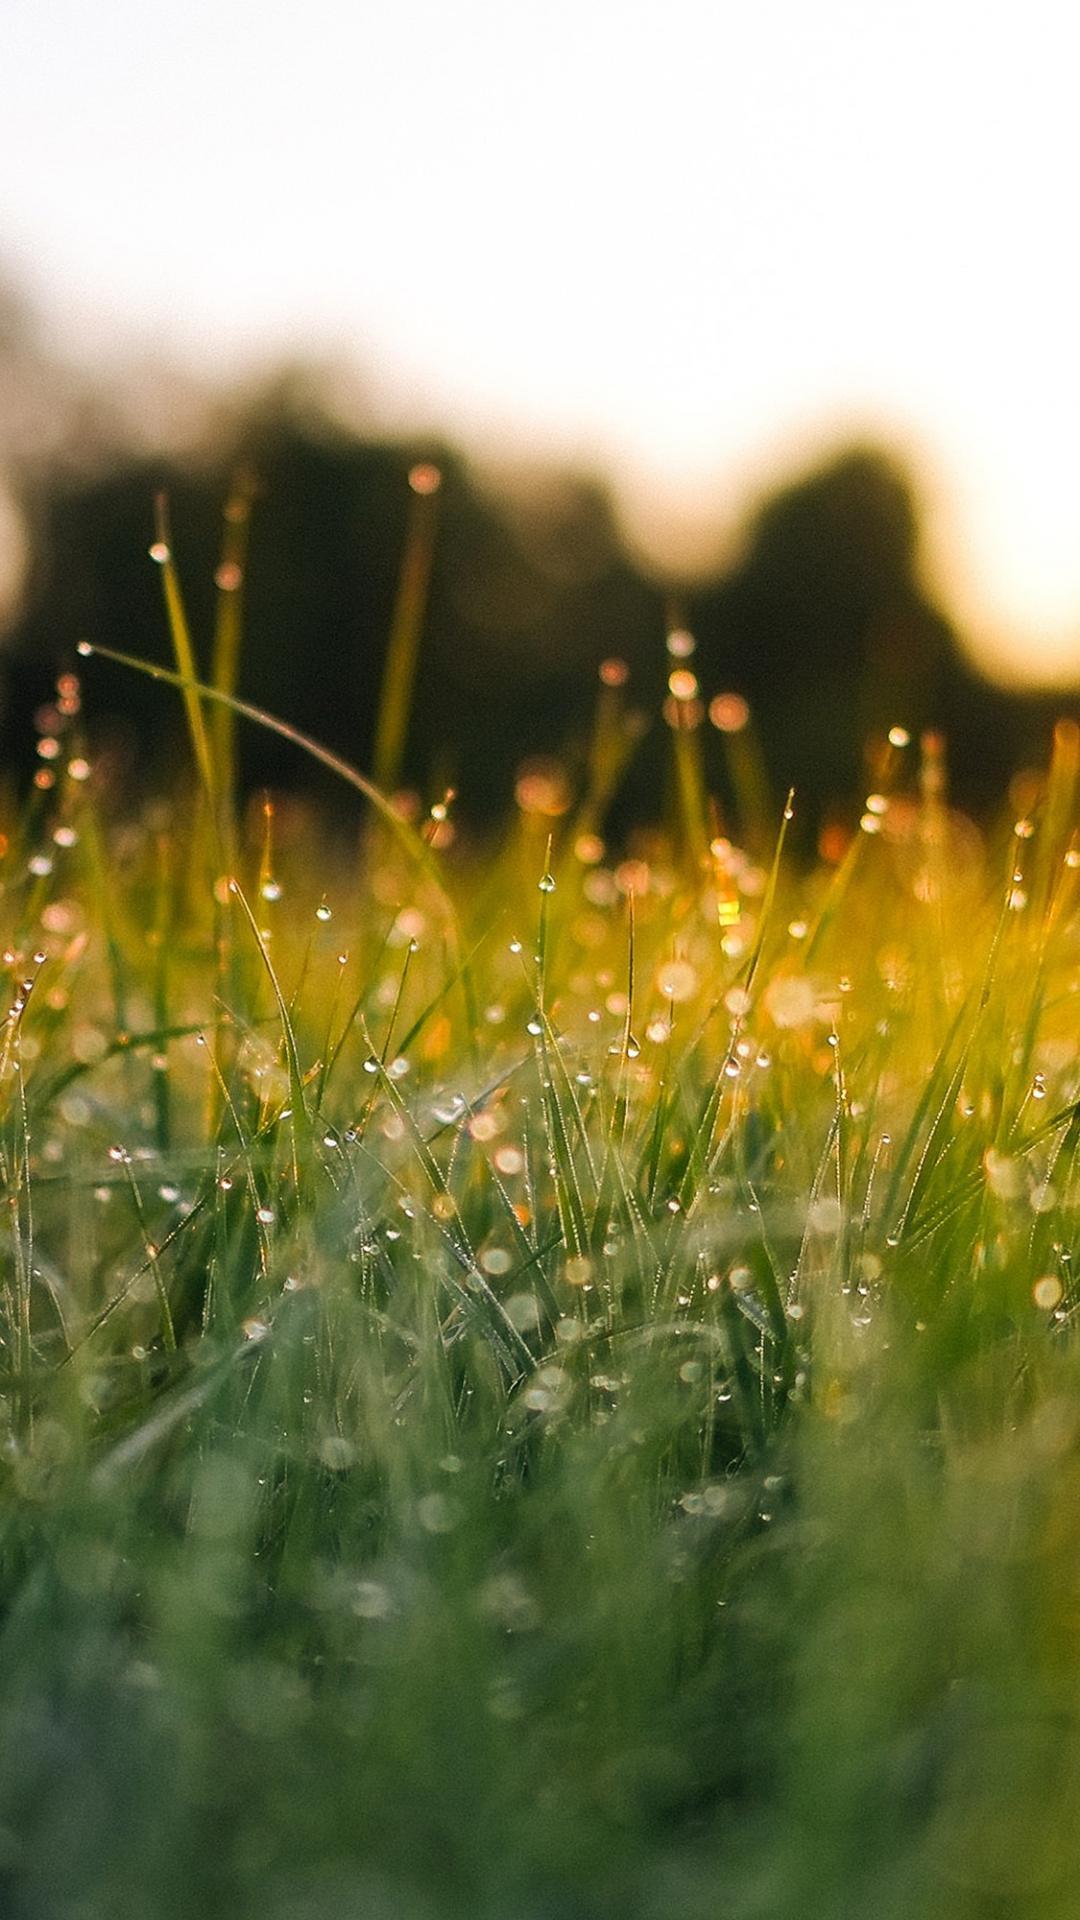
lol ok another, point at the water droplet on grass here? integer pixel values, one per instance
(1047, 1292)
(425, 478)
(436, 1513)
(729, 712)
(614, 672)
(683, 684)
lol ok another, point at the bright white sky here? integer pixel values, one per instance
(682, 236)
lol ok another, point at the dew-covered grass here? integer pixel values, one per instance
(539, 1379)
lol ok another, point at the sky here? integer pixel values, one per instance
(693, 242)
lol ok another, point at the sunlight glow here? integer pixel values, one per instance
(678, 242)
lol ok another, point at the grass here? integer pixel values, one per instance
(539, 1383)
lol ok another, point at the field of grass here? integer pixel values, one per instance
(539, 1382)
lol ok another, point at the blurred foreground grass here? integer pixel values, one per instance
(539, 1384)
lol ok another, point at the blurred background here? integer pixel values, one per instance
(754, 322)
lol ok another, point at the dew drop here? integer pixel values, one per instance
(84, 648)
(578, 1270)
(683, 684)
(159, 553)
(323, 912)
(425, 478)
(614, 672)
(729, 712)
(546, 883)
(1047, 1292)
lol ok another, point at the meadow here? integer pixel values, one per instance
(538, 1376)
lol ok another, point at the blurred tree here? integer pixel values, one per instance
(826, 626)
(823, 623)
(525, 600)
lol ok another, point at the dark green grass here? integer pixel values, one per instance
(539, 1386)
